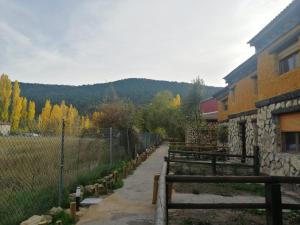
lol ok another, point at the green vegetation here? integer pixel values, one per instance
(86, 98)
(118, 184)
(64, 218)
(256, 189)
(187, 221)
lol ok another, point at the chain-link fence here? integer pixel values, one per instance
(38, 170)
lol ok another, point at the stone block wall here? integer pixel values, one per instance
(273, 160)
(235, 134)
(205, 137)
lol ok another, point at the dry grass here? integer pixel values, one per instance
(29, 171)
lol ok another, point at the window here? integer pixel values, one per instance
(225, 104)
(289, 63)
(291, 141)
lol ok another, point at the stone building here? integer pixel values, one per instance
(261, 103)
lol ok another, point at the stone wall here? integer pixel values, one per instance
(235, 134)
(207, 136)
(273, 160)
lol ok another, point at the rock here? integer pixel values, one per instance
(38, 220)
(89, 189)
(47, 218)
(34, 220)
(55, 210)
(295, 102)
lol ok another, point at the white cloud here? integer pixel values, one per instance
(98, 41)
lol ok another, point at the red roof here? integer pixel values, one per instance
(208, 106)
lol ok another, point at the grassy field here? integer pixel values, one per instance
(29, 171)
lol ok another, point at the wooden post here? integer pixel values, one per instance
(96, 190)
(167, 204)
(256, 162)
(168, 164)
(155, 188)
(273, 201)
(104, 183)
(169, 187)
(213, 164)
(73, 211)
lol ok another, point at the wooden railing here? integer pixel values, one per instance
(273, 203)
(273, 199)
(192, 157)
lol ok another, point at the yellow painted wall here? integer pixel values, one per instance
(222, 115)
(245, 96)
(243, 101)
(269, 81)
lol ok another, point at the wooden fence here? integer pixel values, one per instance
(212, 159)
(273, 203)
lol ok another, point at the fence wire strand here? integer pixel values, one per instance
(30, 166)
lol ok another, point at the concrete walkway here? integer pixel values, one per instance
(132, 204)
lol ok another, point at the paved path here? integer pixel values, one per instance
(132, 204)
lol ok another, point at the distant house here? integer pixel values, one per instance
(209, 110)
(4, 128)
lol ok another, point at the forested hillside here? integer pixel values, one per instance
(87, 97)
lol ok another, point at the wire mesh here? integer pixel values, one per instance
(33, 176)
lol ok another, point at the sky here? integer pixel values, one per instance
(95, 41)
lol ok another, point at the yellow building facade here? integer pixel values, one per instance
(261, 103)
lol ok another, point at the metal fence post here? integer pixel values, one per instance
(61, 175)
(110, 147)
(128, 144)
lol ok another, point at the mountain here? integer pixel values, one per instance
(87, 97)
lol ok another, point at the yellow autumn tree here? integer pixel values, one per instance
(45, 117)
(16, 107)
(175, 102)
(87, 123)
(24, 114)
(31, 115)
(82, 122)
(96, 119)
(5, 97)
(72, 121)
(64, 109)
(55, 119)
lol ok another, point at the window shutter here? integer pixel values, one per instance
(290, 122)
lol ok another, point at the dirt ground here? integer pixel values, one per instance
(226, 217)
(223, 193)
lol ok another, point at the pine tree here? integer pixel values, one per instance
(31, 115)
(17, 107)
(5, 97)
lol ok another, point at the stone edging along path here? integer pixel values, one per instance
(132, 204)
